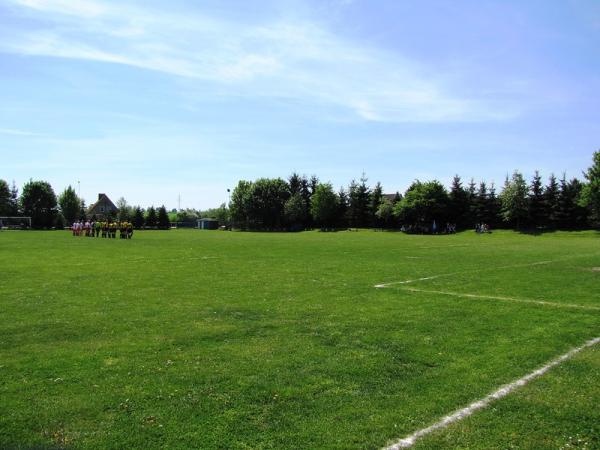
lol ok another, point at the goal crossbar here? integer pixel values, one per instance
(14, 221)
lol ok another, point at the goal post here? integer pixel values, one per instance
(15, 223)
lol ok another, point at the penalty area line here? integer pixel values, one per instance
(501, 298)
(512, 266)
(433, 277)
(503, 391)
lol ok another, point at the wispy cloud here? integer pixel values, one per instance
(80, 8)
(298, 59)
(14, 132)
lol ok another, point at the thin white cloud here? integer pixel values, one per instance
(79, 8)
(15, 132)
(286, 59)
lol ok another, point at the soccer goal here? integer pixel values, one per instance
(15, 223)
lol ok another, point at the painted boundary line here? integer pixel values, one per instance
(443, 246)
(152, 260)
(433, 277)
(460, 414)
(506, 299)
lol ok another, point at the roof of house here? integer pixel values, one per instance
(390, 197)
(103, 198)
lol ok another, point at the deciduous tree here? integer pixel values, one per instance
(422, 204)
(295, 212)
(38, 201)
(514, 200)
(125, 212)
(324, 205)
(69, 204)
(240, 205)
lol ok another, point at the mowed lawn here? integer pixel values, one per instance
(200, 339)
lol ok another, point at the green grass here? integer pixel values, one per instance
(196, 339)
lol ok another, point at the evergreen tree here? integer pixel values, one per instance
(163, 221)
(481, 204)
(14, 200)
(151, 218)
(397, 198)
(314, 182)
(570, 214)
(296, 188)
(5, 206)
(306, 191)
(82, 214)
(38, 201)
(493, 209)
(138, 218)
(472, 203)
(69, 205)
(590, 195)
(359, 196)
(536, 202)
(342, 213)
(514, 201)
(459, 204)
(295, 183)
(551, 202)
(376, 199)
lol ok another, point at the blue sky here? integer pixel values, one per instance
(150, 100)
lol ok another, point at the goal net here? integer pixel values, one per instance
(15, 223)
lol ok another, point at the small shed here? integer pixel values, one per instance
(208, 224)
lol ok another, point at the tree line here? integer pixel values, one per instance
(39, 201)
(301, 203)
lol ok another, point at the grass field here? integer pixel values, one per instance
(192, 339)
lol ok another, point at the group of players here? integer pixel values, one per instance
(104, 229)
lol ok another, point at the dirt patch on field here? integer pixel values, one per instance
(595, 269)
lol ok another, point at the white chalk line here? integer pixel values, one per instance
(182, 259)
(150, 259)
(538, 263)
(503, 298)
(443, 246)
(392, 283)
(503, 391)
